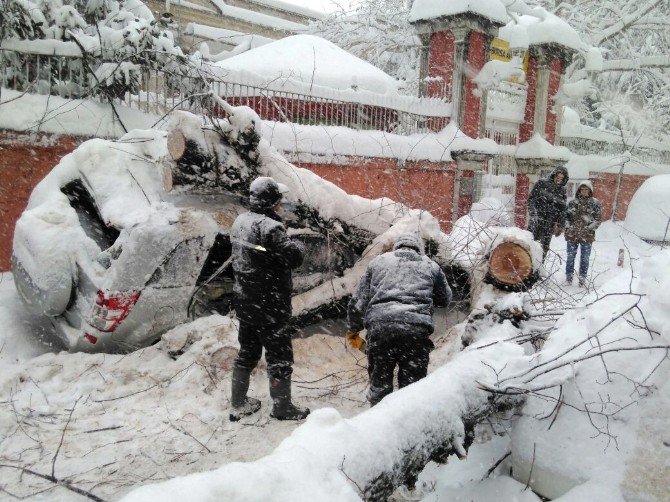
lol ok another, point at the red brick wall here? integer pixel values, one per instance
(422, 185)
(24, 161)
(475, 61)
(604, 188)
(556, 70)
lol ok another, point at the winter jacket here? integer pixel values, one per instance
(547, 202)
(263, 256)
(398, 291)
(583, 217)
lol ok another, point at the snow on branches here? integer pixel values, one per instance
(103, 32)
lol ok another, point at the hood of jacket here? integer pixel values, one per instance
(557, 170)
(586, 184)
(409, 241)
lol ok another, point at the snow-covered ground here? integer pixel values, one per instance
(111, 423)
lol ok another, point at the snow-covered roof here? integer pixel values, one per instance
(314, 61)
(290, 7)
(223, 35)
(544, 29)
(257, 18)
(423, 10)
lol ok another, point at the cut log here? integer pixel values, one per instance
(510, 264)
(176, 144)
(510, 267)
(211, 156)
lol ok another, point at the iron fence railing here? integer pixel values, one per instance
(587, 146)
(154, 90)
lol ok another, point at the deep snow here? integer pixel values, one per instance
(147, 417)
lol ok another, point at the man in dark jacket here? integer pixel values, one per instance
(263, 256)
(583, 217)
(546, 207)
(394, 302)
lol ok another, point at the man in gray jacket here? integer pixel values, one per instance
(394, 302)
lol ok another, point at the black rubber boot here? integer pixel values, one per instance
(240, 404)
(283, 408)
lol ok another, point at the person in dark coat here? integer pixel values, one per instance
(263, 256)
(394, 302)
(546, 207)
(582, 220)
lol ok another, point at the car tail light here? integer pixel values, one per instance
(112, 307)
(90, 338)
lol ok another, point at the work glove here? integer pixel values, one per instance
(355, 341)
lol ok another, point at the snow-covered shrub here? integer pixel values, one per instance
(118, 39)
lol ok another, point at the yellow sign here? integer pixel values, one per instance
(500, 51)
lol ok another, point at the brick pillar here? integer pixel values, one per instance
(535, 120)
(521, 200)
(555, 75)
(527, 126)
(469, 105)
(440, 64)
(543, 78)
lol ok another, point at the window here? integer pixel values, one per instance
(89, 217)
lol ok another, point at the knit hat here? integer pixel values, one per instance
(266, 192)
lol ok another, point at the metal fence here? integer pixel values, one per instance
(158, 91)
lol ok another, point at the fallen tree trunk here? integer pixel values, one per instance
(215, 155)
(367, 456)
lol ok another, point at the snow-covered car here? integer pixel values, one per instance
(115, 257)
